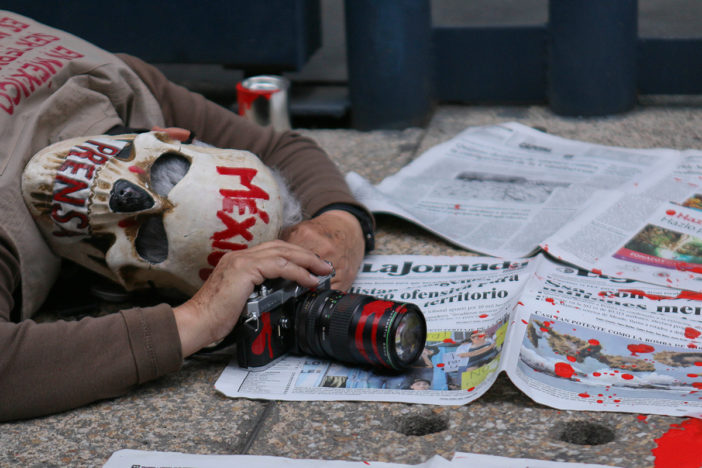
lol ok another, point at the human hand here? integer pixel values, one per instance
(336, 236)
(214, 310)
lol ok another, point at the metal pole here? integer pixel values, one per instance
(592, 56)
(390, 63)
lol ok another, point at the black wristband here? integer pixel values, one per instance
(363, 218)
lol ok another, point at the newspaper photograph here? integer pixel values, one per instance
(567, 337)
(502, 189)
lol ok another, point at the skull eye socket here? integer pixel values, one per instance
(167, 171)
(126, 197)
(151, 242)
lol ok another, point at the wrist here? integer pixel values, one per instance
(364, 218)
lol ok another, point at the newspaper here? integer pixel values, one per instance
(567, 337)
(141, 458)
(638, 236)
(503, 189)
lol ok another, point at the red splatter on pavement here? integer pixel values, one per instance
(571, 358)
(698, 363)
(692, 376)
(641, 417)
(457, 206)
(680, 446)
(525, 322)
(449, 340)
(471, 389)
(697, 385)
(583, 395)
(627, 376)
(550, 300)
(640, 348)
(593, 342)
(520, 303)
(597, 271)
(596, 374)
(563, 369)
(482, 315)
(692, 333)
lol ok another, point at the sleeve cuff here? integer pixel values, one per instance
(154, 340)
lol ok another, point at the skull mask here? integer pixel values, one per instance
(147, 210)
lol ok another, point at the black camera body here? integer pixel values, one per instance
(281, 316)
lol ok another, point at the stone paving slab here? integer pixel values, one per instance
(183, 412)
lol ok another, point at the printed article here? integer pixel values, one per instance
(567, 337)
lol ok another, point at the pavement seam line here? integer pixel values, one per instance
(257, 428)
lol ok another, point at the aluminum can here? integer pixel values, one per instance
(263, 99)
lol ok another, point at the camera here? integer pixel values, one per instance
(281, 316)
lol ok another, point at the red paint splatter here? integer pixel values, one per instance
(482, 315)
(471, 389)
(593, 342)
(520, 303)
(583, 395)
(441, 364)
(525, 322)
(563, 369)
(692, 333)
(597, 272)
(596, 374)
(617, 401)
(692, 376)
(641, 417)
(692, 346)
(600, 401)
(456, 206)
(136, 170)
(571, 358)
(640, 348)
(680, 446)
(263, 340)
(449, 340)
(550, 300)
(670, 212)
(690, 295)
(627, 376)
(125, 223)
(697, 385)
(698, 363)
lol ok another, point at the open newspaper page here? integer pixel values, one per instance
(503, 189)
(584, 341)
(467, 303)
(653, 239)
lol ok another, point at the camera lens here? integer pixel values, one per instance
(360, 329)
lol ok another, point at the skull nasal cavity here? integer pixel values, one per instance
(127, 197)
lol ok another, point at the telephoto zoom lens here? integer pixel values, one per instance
(362, 329)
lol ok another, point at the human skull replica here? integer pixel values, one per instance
(147, 210)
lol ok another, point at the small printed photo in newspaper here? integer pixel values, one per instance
(607, 369)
